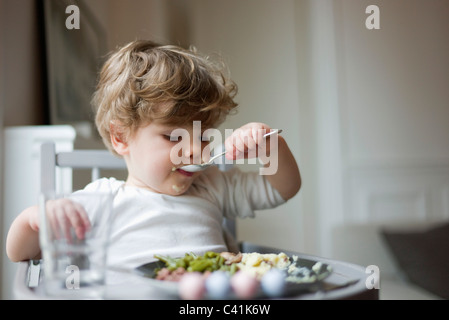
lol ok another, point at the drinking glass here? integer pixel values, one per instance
(74, 265)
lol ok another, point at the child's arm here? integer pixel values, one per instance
(22, 242)
(287, 179)
(246, 141)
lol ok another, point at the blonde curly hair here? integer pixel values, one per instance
(145, 81)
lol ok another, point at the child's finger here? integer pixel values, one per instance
(239, 145)
(246, 141)
(54, 225)
(259, 136)
(63, 224)
(231, 146)
(80, 220)
(250, 139)
(240, 142)
(55, 217)
(67, 219)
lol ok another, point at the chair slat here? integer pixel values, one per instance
(88, 159)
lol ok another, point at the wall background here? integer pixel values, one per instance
(365, 111)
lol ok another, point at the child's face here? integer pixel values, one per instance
(149, 163)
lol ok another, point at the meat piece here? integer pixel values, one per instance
(162, 274)
(231, 257)
(167, 275)
(177, 274)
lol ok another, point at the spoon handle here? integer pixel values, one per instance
(272, 132)
(215, 157)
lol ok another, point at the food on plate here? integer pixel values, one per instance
(257, 264)
(220, 275)
(231, 257)
(176, 267)
(170, 275)
(298, 274)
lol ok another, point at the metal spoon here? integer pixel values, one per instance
(202, 166)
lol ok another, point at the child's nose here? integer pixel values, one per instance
(194, 152)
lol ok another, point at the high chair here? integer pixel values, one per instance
(29, 275)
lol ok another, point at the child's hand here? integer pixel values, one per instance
(247, 141)
(65, 218)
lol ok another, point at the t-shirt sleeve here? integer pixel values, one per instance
(241, 193)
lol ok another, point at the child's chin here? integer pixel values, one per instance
(177, 190)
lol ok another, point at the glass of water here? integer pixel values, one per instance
(74, 237)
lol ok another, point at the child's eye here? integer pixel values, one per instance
(179, 138)
(172, 138)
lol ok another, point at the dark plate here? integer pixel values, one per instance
(310, 274)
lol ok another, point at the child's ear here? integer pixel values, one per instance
(118, 138)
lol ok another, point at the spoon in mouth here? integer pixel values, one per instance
(202, 166)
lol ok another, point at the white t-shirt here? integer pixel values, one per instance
(147, 223)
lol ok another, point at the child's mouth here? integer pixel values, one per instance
(185, 173)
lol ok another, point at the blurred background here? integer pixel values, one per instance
(365, 111)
